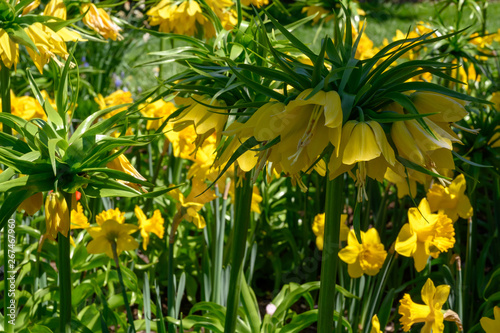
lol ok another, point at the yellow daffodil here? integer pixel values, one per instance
(492, 325)
(451, 200)
(110, 233)
(32, 204)
(116, 98)
(78, 218)
(152, 225)
(159, 109)
(188, 208)
(366, 257)
(56, 216)
(318, 228)
(48, 43)
(9, 50)
(429, 313)
(256, 3)
(375, 325)
(98, 20)
(425, 235)
(364, 144)
(110, 214)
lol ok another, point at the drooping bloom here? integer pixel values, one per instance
(48, 43)
(118, 97)
(425, 235)
(57, 8)
(404, 186)
(32, 204)
(318, 228)
(9, 50)
(365, 258)
(364, 144)
(188, 208)
(152, 225)
(110, 233)
(56, 215)
(429, 313)
(31, 6)
(158, 109)
(492, 325)
(121, 163)
(375, 325)
(98, 20)
(110, 214)
(451, 200)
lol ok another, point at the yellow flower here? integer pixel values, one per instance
(364, 143)
(430, 313)
(367, 257)
(48, 43)
(56, 216)
(320, 13)
(178, 18)
(451, 200)
(78, 218)
(318, 228)
(117, 98)
(98, 20)
(121, 163)
(425, 235)
(30, 7)
(56, 8)
(109, 233)
(9, 50)
(447, 109)
(489, 325)
(154, 225)
(375, 325)
(256, 3)
(402, 183)
(188, 208)
(159, 109)
(110, 214)
(32, 204)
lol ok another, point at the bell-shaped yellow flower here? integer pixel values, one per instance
(375, 325)
(9, 50)
(425, 235)
(121, 163)
(492, 325)
(365, 144)
(152, 225)
(56, 8)
(32, 204)
(31, 6)
(48, 43)
(447, 109)
(159, 109)
(429, 313)
(110, 233)
(98, 20)
(451, 200)
(110, 214)
(116, 98)
(56, 216)
(366, 257)
(318, 227)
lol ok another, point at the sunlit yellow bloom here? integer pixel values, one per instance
(48, 43)
(110, 214)
(365, 49)
(318, 228)
(429, 313)
(78, 218)
(364, 144)
(447, 109)
(116, 98)
(451, 200)
(256, 3)
(109, 233)
(375, 325)
(402, 183)
(320, 13)
(154, 225)
(177, 18)
(121, 163)
(425, 235)
(32, 204)
(492, 325)
(98, 20)
(56, 8)
(159, 109)
(188, 208)
(56, 215)
(30, 7)
(365, 258)
(9, 50)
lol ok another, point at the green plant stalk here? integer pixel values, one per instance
(171, 274)
(130, 318)
(5, 95)
(65, 274)
(330, 258)
(242, 221)
(219, 248)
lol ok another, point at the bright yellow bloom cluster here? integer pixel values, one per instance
(451, 200)
(188, 208)
(152, 225)
(27, 107)
(112, 233)
(366, 257)
(98, 20)
(56, 216)
(158, 109)
(425, 235)
(116, 98)
(429, 313)
(492, 325)
(187, 16)
(318, 227)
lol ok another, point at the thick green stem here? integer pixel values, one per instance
(219, 247)
(330, 258)
(130, 318)
(242, 220)
(170, 290)
(65, 274)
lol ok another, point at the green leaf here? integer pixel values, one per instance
(414, 166)
(19, 36)
(52, 153)
(10, 204)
